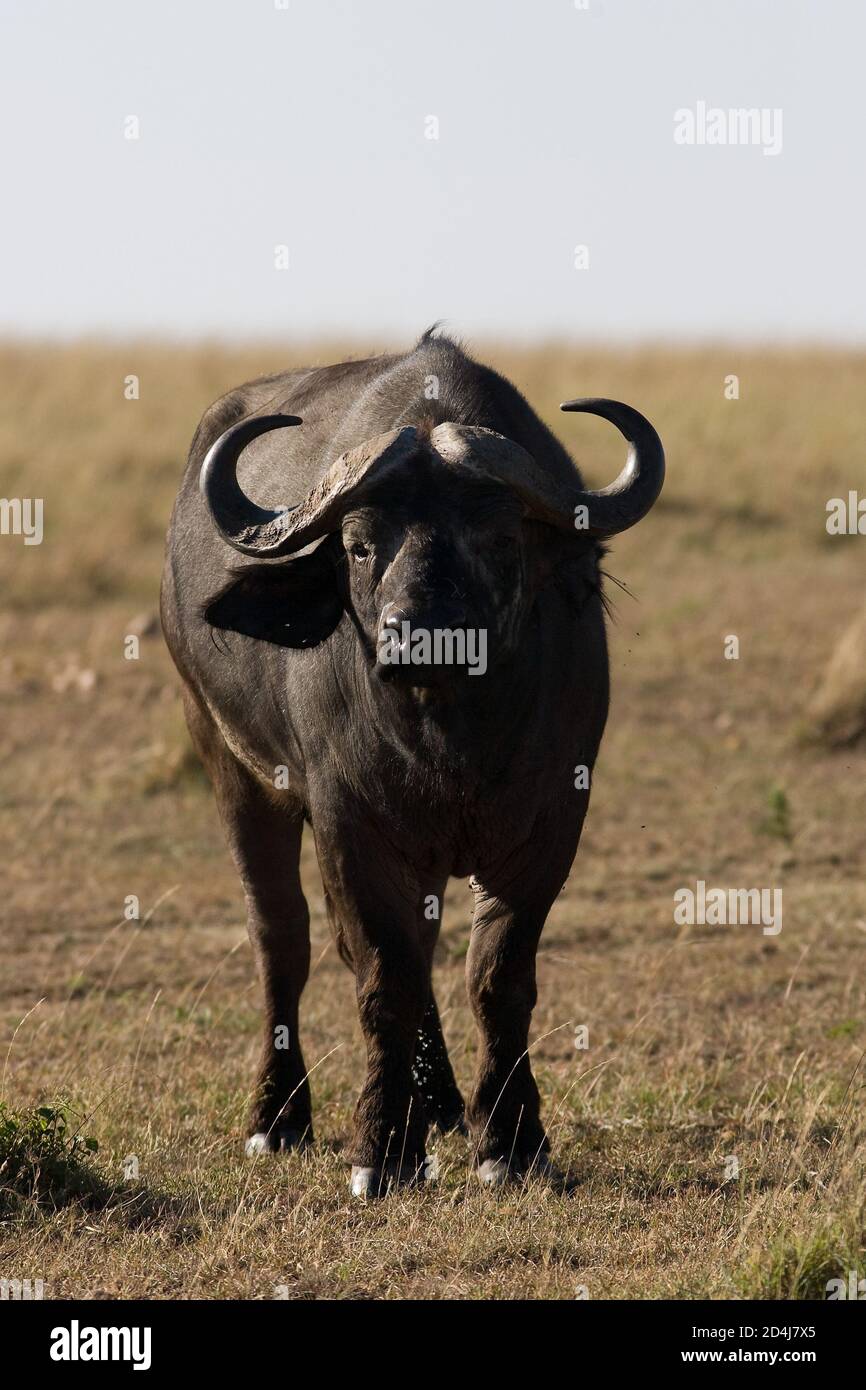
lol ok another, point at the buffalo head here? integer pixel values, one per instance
(433, 540)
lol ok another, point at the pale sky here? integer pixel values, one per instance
(306, 127)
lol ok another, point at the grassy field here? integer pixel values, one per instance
(706, 1044)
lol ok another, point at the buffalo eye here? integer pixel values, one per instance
(358, 550)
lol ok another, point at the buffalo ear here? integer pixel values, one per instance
(294, 604)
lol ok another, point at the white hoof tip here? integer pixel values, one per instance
(378, 1182)
(365, 1182)
(275, 1141)
(494, 1172)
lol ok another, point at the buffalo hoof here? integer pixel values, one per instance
(279, 1139)
(370, 1183)
(497, 1172)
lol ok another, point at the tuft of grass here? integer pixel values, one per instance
(800, 1267)
(44, 1158)
(847, 1028)
(777, 821)
(837, 713)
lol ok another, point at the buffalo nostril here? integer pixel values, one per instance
(432, 622)
(393, 617)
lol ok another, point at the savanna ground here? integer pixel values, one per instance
(704, 1042)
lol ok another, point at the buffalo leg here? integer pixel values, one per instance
(265, 840)
(434, 1076)
(279, 926)
(431, 1070)
(376, 921)
(504, 1110)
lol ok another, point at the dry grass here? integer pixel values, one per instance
(704, 1042)
(838, 711)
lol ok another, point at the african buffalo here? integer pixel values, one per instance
(425, 497)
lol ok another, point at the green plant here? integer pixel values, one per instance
(778, 819)
(43, 1156)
